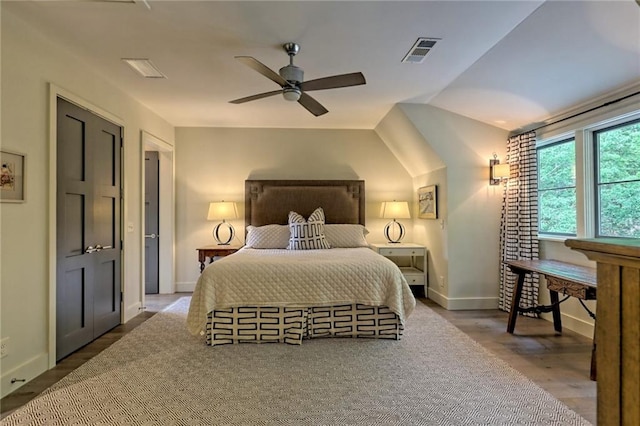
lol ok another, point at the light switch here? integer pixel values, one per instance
(130, 227)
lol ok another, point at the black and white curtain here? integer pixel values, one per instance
(519, 221)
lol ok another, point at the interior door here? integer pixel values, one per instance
(152, 222)
(88, 227)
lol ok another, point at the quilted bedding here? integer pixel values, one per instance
(299, 278)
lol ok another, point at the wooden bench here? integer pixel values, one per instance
(562, 277)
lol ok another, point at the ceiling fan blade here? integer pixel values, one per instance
(313, 106)
(255, 97)
(334, 82)
(263, 69)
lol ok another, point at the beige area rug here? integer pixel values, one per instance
(160, 374)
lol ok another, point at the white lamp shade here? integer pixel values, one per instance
(501, 171)
(395, 210)
(221, 210)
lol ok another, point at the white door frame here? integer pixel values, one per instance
(54, 93)
(166, 230)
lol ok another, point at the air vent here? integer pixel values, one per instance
(419, 50)
(144, 67)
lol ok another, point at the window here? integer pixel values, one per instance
(589, 180)
(617, 198)
(557, 188)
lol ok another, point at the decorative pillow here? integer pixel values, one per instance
(307, 234)
(267, 237)
(346, 235)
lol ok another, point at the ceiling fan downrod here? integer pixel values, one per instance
(292, 74)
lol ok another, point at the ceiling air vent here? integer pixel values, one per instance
(144, 67)
(419, 50)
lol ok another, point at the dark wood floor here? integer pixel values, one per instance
(557, 363)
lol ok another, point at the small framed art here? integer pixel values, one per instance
(428, 202)
(12, 172)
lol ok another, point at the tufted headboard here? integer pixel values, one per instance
(270, 201)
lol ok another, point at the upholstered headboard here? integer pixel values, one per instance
(270, 201)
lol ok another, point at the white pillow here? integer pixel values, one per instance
(267, 237)
(346, 235)
(307, 234)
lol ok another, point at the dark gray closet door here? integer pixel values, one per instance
(88, 227)
(151, 211)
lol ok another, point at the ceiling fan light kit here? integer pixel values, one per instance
(291, 80)
(291, 93)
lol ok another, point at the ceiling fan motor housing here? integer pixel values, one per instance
(292, 74)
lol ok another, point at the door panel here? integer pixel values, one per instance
(105, 228)
(106, 146)
(73, 129)
(107, 297)
(74, 296)
(88, 208)
(73, 291)
(74, 225)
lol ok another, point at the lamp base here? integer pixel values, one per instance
(394, 231)
(216, 234)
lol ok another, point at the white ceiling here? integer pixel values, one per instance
(507, 63)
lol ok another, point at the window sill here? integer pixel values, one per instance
(555, 238)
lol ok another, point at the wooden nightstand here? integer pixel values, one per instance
(214, 251)
(415, 255)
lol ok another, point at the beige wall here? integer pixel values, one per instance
(213, 163)
(29, 64)
(463, 242)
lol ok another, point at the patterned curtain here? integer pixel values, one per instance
(519, 221)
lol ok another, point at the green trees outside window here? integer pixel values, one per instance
(557, 188)
(618, 180)
(614, 176)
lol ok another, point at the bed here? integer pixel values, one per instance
(270, 292)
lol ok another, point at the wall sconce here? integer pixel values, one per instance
(497, 171)
(394, 231)
(222, 210)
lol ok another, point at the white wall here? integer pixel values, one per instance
(29, 63)
(213, 163)
(464, 242)
(434, 234)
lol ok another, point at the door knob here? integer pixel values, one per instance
(152, 236)
(90, 249)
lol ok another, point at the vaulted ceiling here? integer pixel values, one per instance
(506, 63)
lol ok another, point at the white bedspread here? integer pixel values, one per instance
(299, 278)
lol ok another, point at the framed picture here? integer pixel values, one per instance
(428, 202)
(12, 171)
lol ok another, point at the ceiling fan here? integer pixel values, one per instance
(291, 80)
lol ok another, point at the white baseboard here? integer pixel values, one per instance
(463, 303)
(27, 371)
(185, 287)
(132, 311)
(569, 322)
(572, 323)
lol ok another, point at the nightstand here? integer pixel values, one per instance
(214, 251)
(411, 259)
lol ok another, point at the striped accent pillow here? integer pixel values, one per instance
(307, 234)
